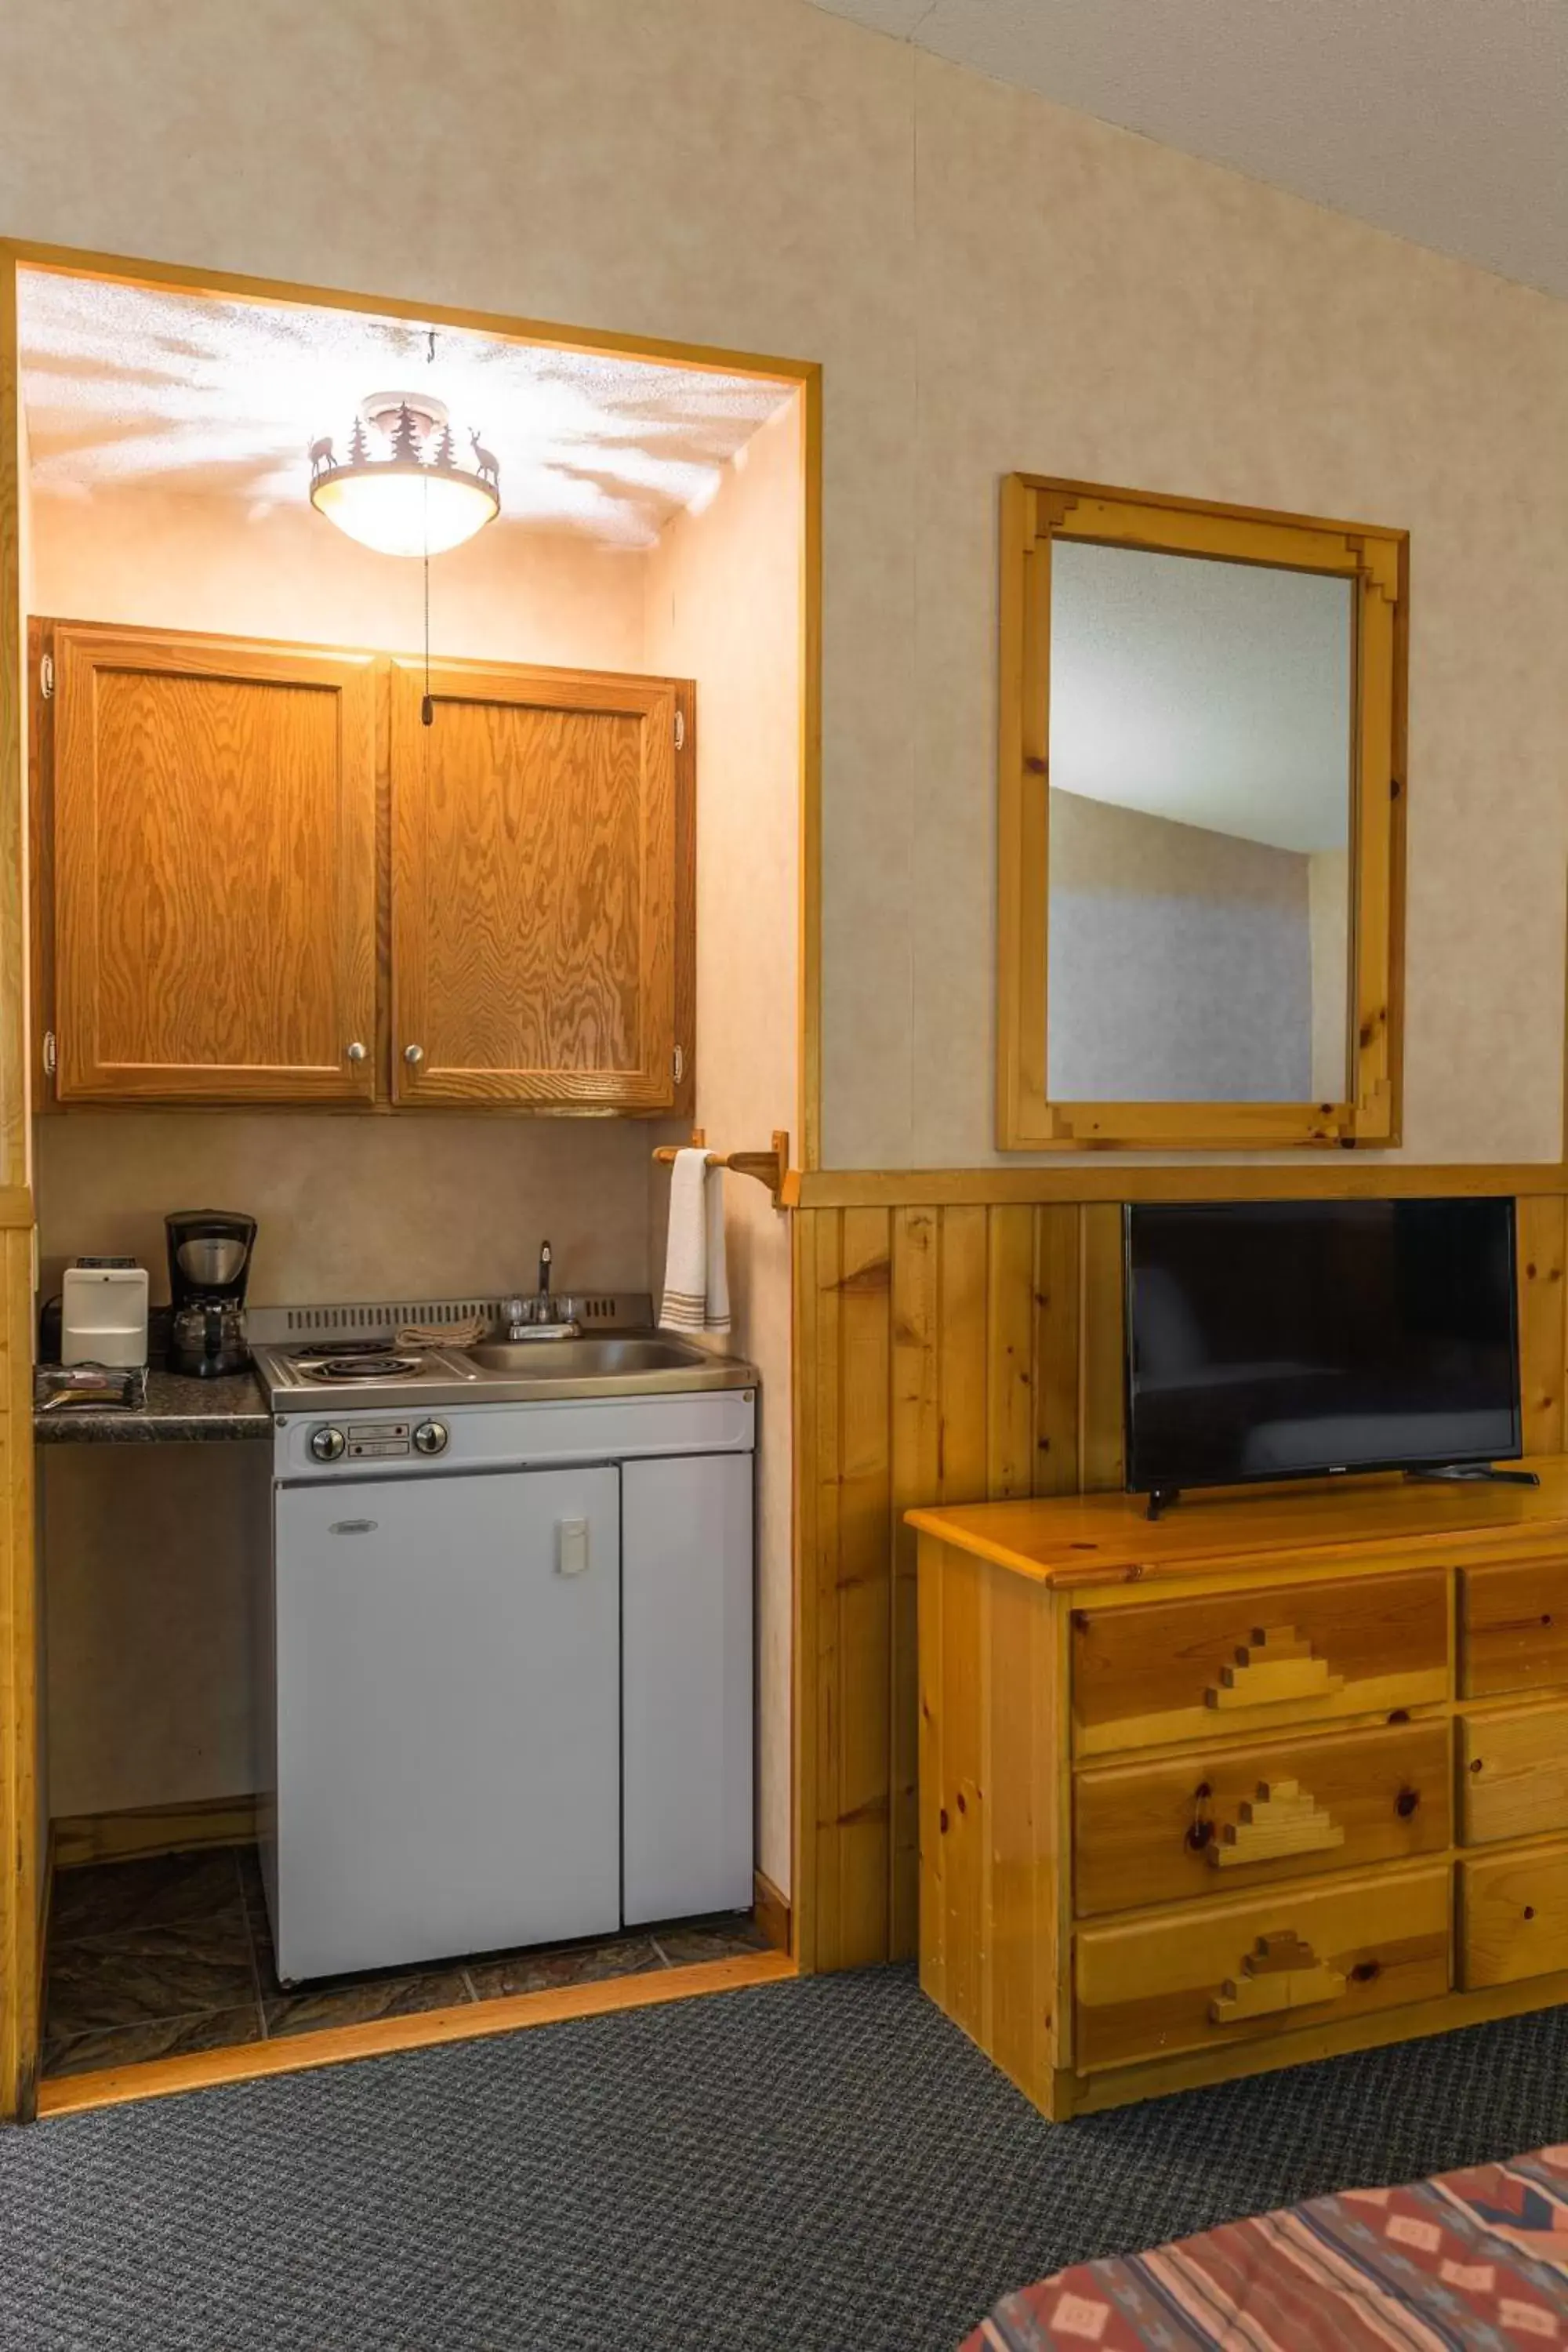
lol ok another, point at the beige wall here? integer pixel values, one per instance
(366, 1207)
(164, 560)
(991, 282)
(723, 606)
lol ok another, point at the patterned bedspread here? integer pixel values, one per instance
(1471, 2262)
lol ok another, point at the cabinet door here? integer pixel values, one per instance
(686, 1687)
(214, 835)
(448, 1698)
(541, 889)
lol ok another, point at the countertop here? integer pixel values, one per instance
(178, 1410)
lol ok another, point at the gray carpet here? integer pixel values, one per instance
(825, 2166)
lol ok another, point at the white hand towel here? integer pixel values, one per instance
(696, 1276)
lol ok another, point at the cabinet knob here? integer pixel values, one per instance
(414, 1055)
(356, 1051)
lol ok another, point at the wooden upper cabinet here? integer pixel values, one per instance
(542, 889)
(213, 843)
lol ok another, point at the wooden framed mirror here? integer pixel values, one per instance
(1201, 825)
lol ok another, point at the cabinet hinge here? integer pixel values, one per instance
(47, 678)
(51, 1054)
(679, 1060)
(680, 730)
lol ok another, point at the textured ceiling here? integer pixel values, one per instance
(1445, 121)
(128, 388)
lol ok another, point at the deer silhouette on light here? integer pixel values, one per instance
(488, 471)
(323, 459)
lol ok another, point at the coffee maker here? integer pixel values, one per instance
(209, 1265)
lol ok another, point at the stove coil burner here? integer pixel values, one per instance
(316, 1351)
(373, 1364)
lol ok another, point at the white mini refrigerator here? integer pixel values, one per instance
(447, 1717)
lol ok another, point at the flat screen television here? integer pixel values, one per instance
(1302, 1338)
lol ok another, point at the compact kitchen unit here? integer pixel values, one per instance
(508, 1657)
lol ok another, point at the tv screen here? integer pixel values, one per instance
(1290, 1338)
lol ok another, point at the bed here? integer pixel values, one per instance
(1469, 2261)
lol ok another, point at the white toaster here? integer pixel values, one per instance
(103, 1312)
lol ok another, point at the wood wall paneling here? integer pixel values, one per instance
(965, 1351)
(939, 1358)
(1543, 1340)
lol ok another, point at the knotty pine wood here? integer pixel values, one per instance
(1150, 1832)
(989, 1796)
(913, 1271)
(540, 918)
(214, 835)
(1149, 1677)
(1158, 1985)
(22, 1875)
(1513, 1626)
(937, 1359)
(1513, 1910)
(1513, 1773)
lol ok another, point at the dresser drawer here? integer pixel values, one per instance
(1513, 1774)
(1239, 1971)
(1232, 1816)
(1513, 1628)
(1243, 1662)
(1513, 1916)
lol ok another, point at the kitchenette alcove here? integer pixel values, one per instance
(418, 910)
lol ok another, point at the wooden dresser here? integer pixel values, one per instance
(1282, 1774)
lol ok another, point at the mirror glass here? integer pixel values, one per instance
(1198, 945)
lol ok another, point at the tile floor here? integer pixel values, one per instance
(152, 1959)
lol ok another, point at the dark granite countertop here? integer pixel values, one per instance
(178, 1410)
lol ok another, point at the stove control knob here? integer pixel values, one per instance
(431, 1438)
(327, 1445)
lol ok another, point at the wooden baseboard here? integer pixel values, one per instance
(79, 1838)
(771, 1910)
(158, 2078)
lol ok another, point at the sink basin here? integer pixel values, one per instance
(585, 1360)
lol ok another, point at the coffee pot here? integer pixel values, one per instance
(209, 1267)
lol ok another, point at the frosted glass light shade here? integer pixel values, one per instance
(399, 509)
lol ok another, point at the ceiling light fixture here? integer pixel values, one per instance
(401, 488)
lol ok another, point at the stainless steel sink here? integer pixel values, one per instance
(625, 1365)
(562, 1360)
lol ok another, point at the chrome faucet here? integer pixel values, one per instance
(538, 1317)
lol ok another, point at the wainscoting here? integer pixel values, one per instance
(952, 1354)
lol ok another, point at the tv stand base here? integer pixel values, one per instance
(1478, 1474)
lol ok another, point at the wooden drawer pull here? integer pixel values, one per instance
(1280, 1973)
(1282, 1819)
(1276, 1665)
